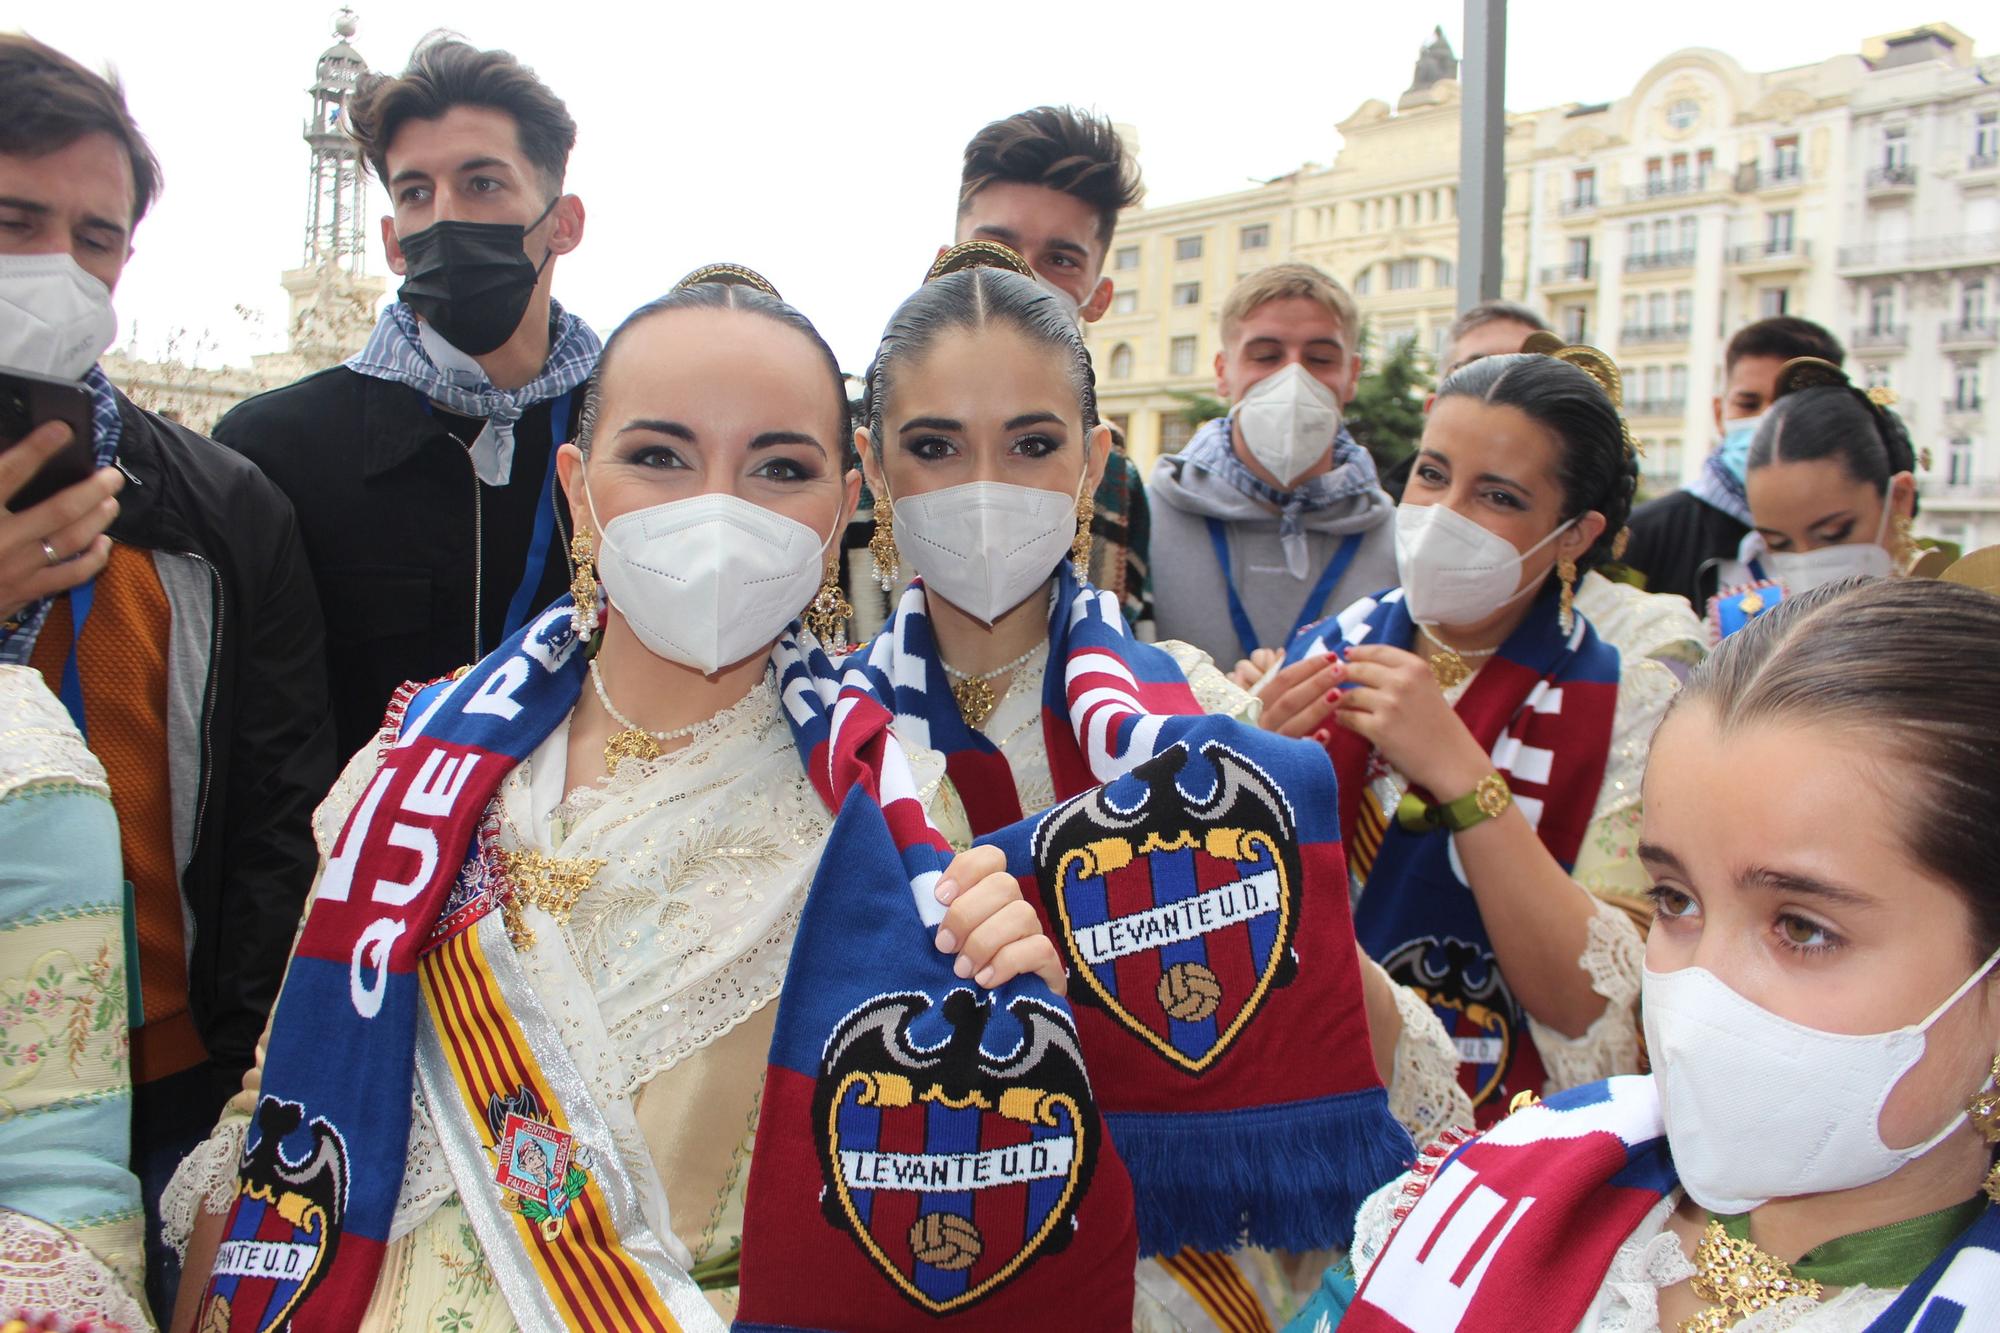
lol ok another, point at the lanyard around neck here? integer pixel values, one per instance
(1316, 600)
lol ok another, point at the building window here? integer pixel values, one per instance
(1958, 461)
(1684, 309)
(1965, 396)
(1972, 303)
(1785, 158)
(1364, 281)
(1187, 293)
(1126, 257)
(1180, 357)
(1670, 458)
(1631, 309)
(1882, 310)
(1398, 336)
(1773, 301)
(1576, 323)
(1704, 167)
(1875, 375)
(1124, 303)
(1656, 176)
(1403, 274)
(1121, 362)
(1583, 188)
(1656, 310)
(1663, 237)
(1579, 256)
(1690, 228)
(1986, 138)
(1778, 233)
(1683, 114)
(1677, 383)
(1678, 168)
(1654, 381)
(1175, 432)
(1446, 273)
(1187, 247)
(1895, 147)
(1121, 425)
(1254, 238)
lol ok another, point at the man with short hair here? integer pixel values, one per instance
(1491, 328)
(1271, 517)
(1049, 183)
(423, 469)
(187, 647)
(1679, 540)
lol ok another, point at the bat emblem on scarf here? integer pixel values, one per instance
(1177, 910)
(285, 1227)
(951, 1168)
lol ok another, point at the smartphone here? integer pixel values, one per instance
(28, 401)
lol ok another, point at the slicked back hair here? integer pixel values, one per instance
(446, 72)
(1062, 148)
(1782, 337)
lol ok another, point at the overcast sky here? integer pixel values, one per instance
(818, 143)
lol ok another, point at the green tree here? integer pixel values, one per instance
(1197, 407)
(1387, 414)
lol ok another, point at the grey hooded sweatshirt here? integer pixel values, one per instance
(1204, 481)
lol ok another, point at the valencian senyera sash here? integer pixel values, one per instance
(1513, 1231)
(1542, 707)
(1192, 876)
(405, 970)
(929, 1153)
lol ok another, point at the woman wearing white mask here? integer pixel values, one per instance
(637, 837)
(1821, 1016)
(1831, 479)
(1489, 743)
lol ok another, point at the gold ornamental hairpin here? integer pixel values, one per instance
(730, 275)
(979, 254)
(1594, 363)
(1812, 372)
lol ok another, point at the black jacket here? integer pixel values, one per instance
(1676, 542)
(250, 744)
(403, 538)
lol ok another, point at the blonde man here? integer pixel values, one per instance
(1272, 516)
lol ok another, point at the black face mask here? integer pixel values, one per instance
(471, 281)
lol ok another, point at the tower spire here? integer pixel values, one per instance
(333, 210)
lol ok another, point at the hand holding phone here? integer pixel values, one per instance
(52, 546)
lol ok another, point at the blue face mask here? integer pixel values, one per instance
(1734, 451)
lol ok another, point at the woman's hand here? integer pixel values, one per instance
(991, 927)
(1249, 670)
(1300, 698)
(1394, 703)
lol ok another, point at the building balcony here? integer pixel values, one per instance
(1921, 252)
(1881, 338)
(1569, 275)
(1885, 181)
(1752, 178)
(1975, 488)
(1980, 163)
(1642, 335)
(1659, 261)
(1960, 406)
(1577, 205)
(1672, 187)
(1771, 254)
(1954, 334)
(1659, 408)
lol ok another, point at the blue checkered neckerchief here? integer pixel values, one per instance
(17, 645)
(395, 352)
(1718, 486)
(1352, 474)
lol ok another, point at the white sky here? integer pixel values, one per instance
(818, 143)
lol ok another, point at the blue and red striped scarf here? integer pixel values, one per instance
(1543, 708)
(1192, 875)
(1514, 1230)
(324, 1159)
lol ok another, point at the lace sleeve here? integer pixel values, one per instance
(42, 744)
(1613, 955)
(1645, 689)
(47, 1271)
(1375, 1221)
(1424, 1092)
(347, 789)
(1214, 691)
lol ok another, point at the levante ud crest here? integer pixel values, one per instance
(1178, 914)
(1470, 998)
(953, 1170)
(283, 1234)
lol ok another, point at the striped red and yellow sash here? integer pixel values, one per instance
(1220, 1288)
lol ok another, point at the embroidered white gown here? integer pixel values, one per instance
(661, 982)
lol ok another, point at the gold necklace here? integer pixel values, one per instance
(1738, 1279)
(1448, 667)
(634, 742)
(975, 694)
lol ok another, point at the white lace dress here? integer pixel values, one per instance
(1650, 1260)
(681, 943)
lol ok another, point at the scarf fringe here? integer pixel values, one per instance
(1205, 1181)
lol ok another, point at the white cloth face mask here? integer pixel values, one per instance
(1802, 571)
(1454, 571)
(55, 319)
(708, 580)
(1758, 1107)
(986, 546)
(1288, 421)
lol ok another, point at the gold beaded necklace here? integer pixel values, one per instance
(975, 693)
(1449, 667)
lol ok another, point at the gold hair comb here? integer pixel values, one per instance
(1593, 363)
(730, 275)
(979, 254)
(1810, 372)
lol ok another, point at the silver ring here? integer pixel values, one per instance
(50, 552)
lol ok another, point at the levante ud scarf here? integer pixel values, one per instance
(1192, 876)
(1542, 707)
(1516, 1229)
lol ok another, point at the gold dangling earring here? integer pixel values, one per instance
(1079, 549)
(1984, 1112)
(583, 584)
(1566, 571)
(882, 546)
(1906, 542)
(829, 611)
